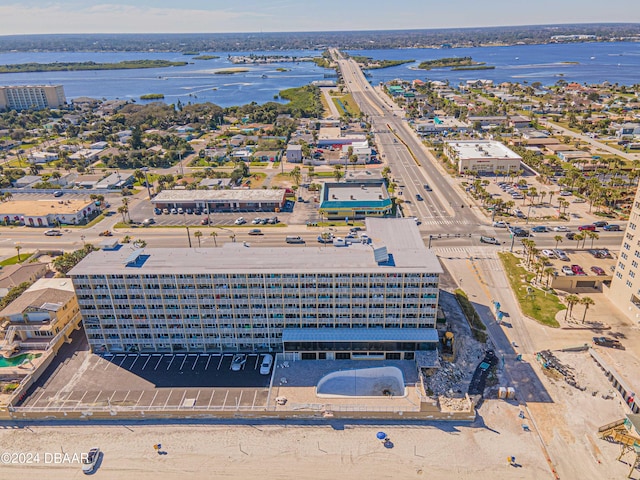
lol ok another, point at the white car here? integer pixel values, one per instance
(500, 224)
(89, 463)
(265, 366)
(256, 221)
(560, 228)
(239, 359)
(240, 221)
(339, 242)
(567, 270)
(53, 233)
(549, 253)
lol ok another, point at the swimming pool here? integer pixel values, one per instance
(362, 382)
(17, 360)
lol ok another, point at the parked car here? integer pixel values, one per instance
(567, 270)
(157, 211)
(601, 223)
(539, 229)
(273, 220)
(561, 255)
(579, 200)
(89, 463)
(53, 233)
(591, 228)
(239, 360)
(256, 221)
(500, 224)
(197, 211)
(560, 228)
(612, 228)
(180, 210)
(577, 269)
(255, 231)
(148, 221)
(565, 193)
(189, 211)
(165, 211)
(608, 342)
(265, 366)
(490, 240)
(174, 211)
(549, 253)
(204, 221)
(598, 270)
(240, 221)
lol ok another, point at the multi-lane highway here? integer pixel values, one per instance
(407, 157)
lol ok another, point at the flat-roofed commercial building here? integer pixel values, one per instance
(26, 97)
(355, 200)
(47, 213)
(222, 200)
(482, 156)
(310, 301)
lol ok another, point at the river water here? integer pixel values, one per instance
(595, 62)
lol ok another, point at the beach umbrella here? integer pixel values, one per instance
(381, 435)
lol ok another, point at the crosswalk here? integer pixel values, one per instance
(444, 221)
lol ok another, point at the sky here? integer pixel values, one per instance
(216, 16)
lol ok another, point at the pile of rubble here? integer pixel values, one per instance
(463, 404)
(550, 361)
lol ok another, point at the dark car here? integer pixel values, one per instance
(419, 197)
(327, 239)
(58, 193)
(521, 232)
(157, 211)
(255, 231)
(427, 187)
(598, 270)
(571, 235)
(601, 223)
(539, 229)
(189, 211)
(608, 342)
(612, 228)
(204, 221)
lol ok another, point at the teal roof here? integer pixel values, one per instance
(355, 204)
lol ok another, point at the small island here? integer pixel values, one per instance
(457, 63)
(371, 64)
(191, 53)
(152, 96)
(281, 69)
(231, 71)
(206, 57)
(73, 66)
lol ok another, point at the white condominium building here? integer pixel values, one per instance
(376, 300)
(482, 156)
(625, 284)
(26, 97)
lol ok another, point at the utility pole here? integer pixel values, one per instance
(146, 180)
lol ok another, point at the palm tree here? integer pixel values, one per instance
(587, 302)
(214, 235)
(548, 272)
(558, 239)
(198, 235)
(593, 236)
(571, 301)
(296, 175)
(232, 237)
(579, 237)
(123, 210)
(337, 172)
(18, 248)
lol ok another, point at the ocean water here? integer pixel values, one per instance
(595, 62)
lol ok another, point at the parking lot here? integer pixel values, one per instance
(145, 210)
(153, 382)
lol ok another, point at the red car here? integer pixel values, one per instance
(598, 271)
(577, 270)
(591, 228)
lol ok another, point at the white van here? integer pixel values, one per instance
(293, 239)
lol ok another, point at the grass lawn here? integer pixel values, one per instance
(349, 103)
(14, 260)
(539, 305)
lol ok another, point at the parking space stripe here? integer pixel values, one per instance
(153, 399)
(97, 396)
(158, 364)
(172, 359)
(220, 362)
(211, 399)
(224, 402)
(125, 397)
(184, 394)
(145, 363)
(182, 364)
(196, 400)
(255, 367)
(167, 401)
(239, 399)
(255, 395)
(123, 360)
(208, 360)
(139, 398)
(194, 363)
(134, 362)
